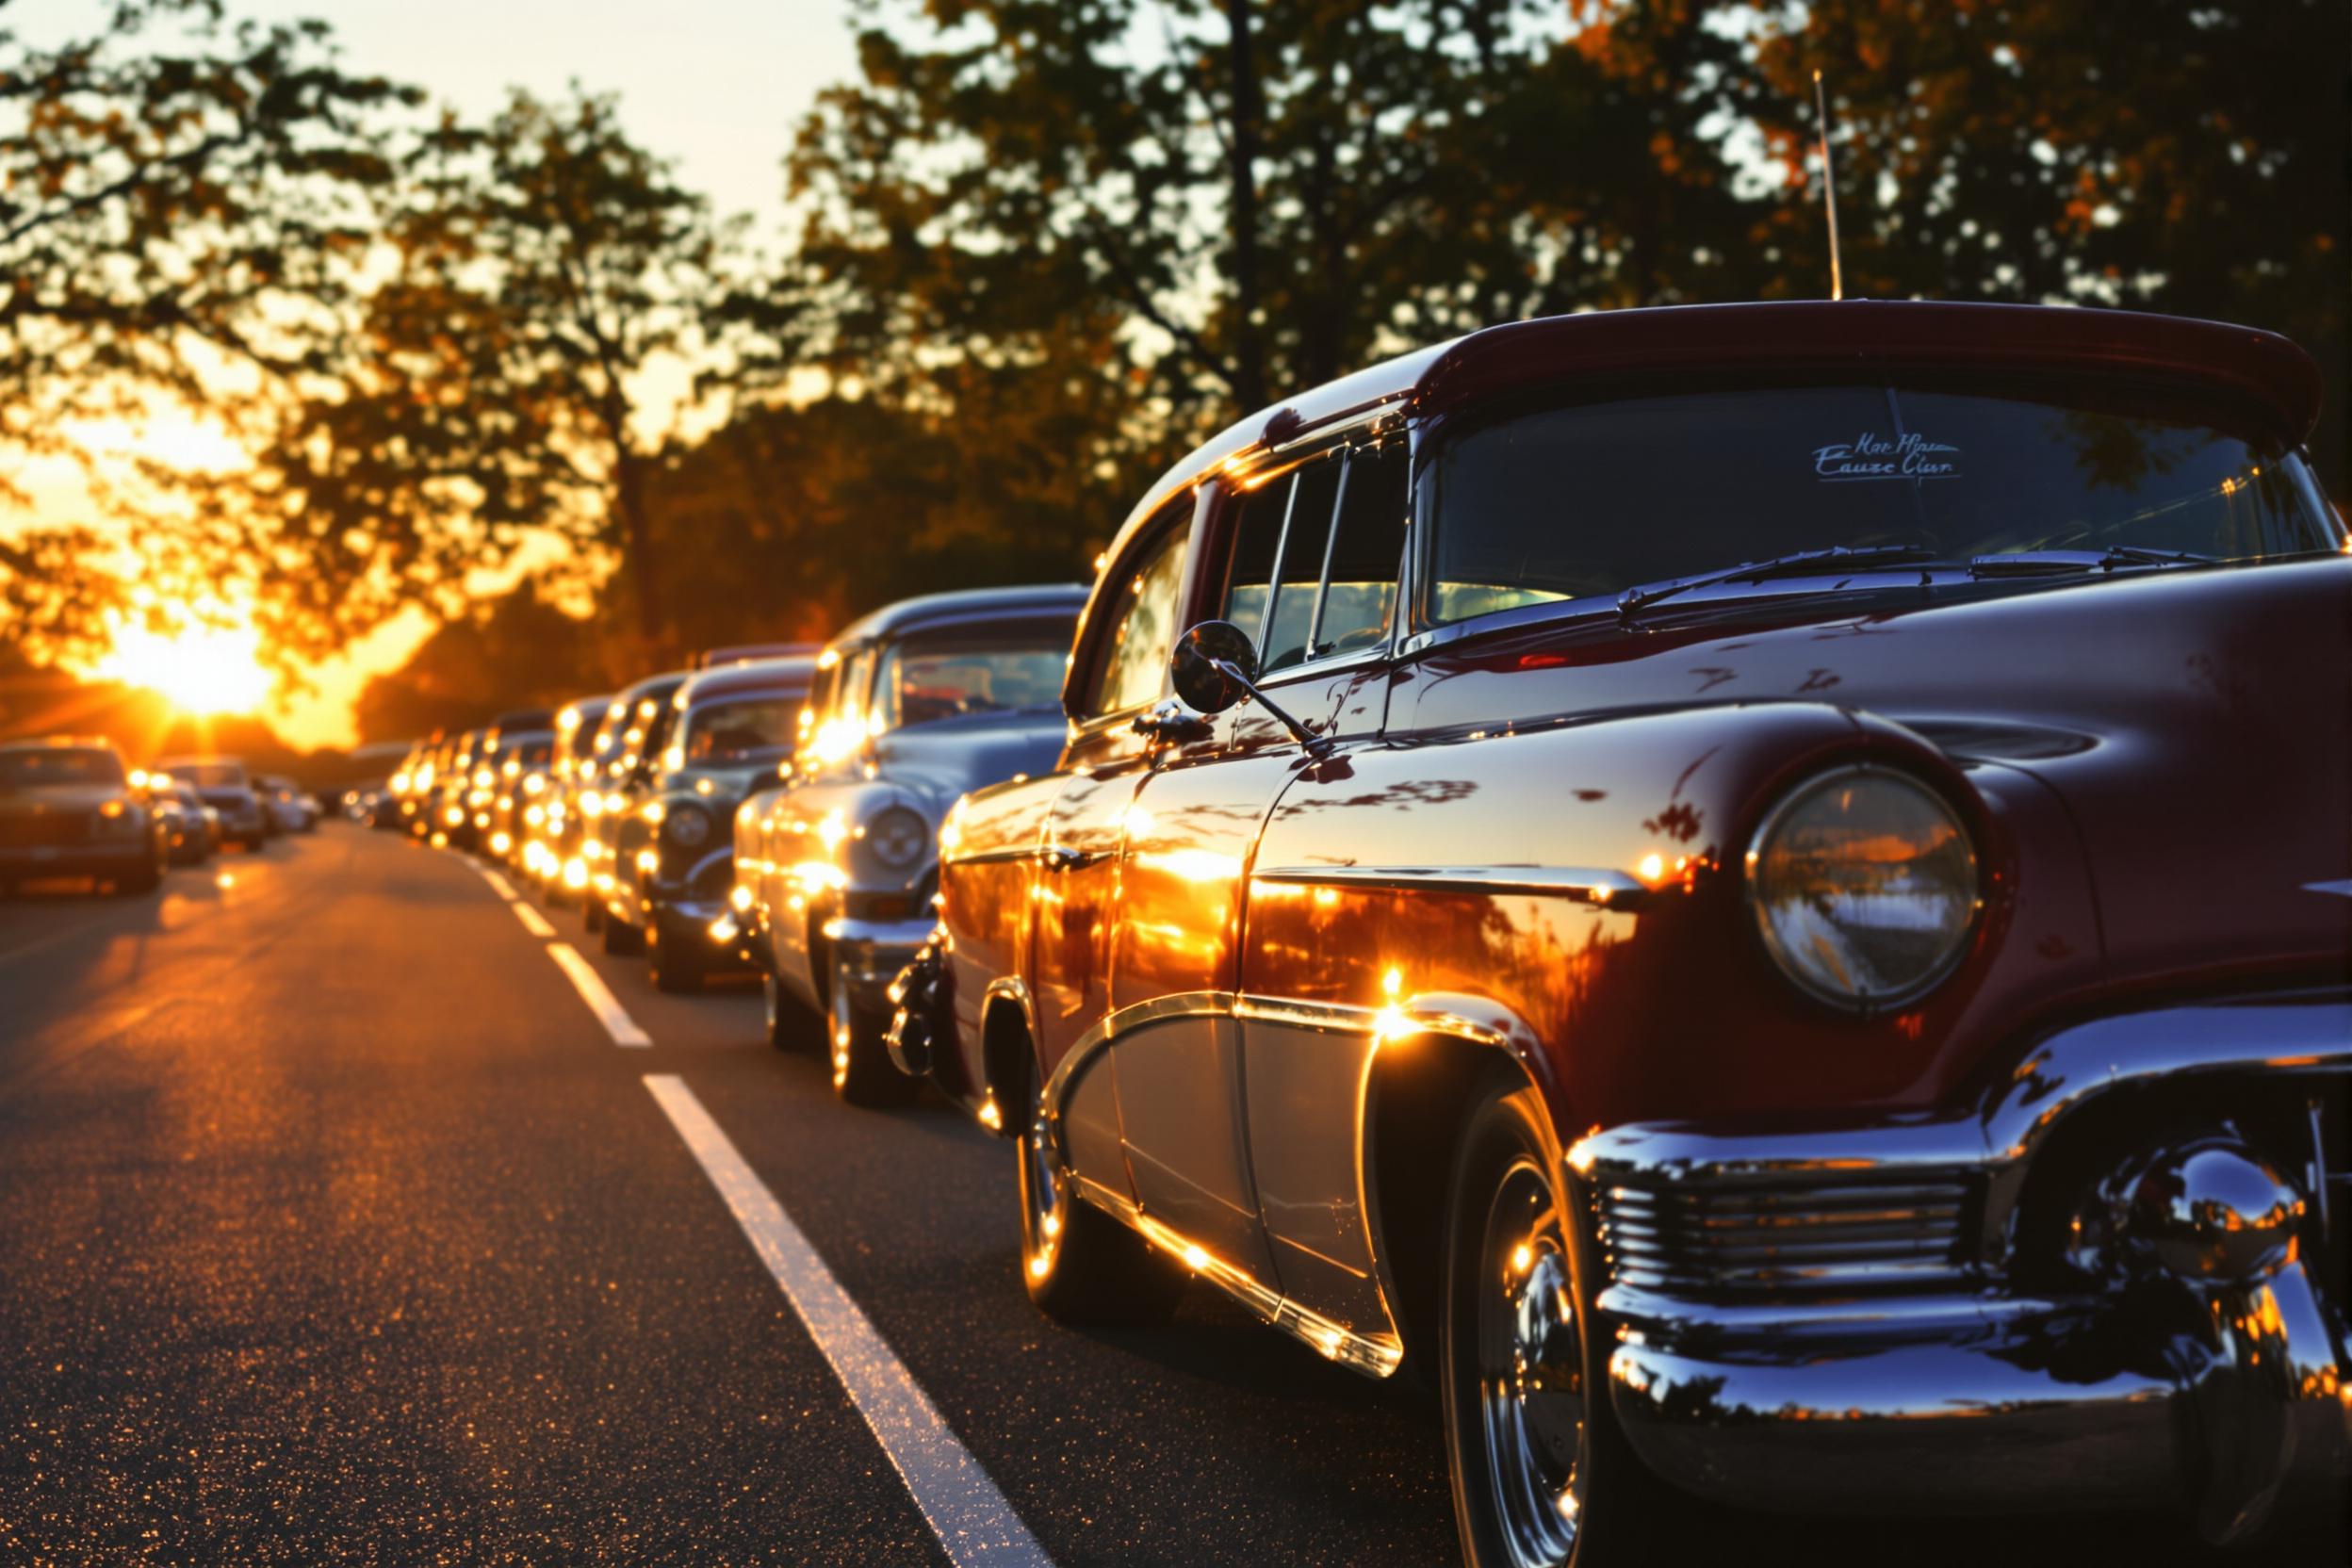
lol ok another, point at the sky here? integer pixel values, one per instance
(716, 85)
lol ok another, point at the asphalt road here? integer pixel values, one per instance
(336, 1228)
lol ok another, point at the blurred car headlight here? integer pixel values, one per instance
(686, 826)
(899, 838)
(1863, 887)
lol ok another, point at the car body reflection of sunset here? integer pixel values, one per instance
(204, 668)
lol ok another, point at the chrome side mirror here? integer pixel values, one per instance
(1215, 665)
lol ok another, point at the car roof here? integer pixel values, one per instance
(1866, 336)
(654, 686)
(166, 763)
(966, 605)
(764, 674)
(743, 653)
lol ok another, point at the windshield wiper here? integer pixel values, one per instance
(1813, 563)
(2032, 563)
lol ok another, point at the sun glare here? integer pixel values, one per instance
(202, 669)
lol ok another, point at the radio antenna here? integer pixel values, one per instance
(1829, 187)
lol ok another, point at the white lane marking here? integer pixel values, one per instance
(591, 990)
(973, 1522)
(533, 921)
(499, 885)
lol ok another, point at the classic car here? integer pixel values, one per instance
(286, 805)
(733, 725)
(68, 808)
(1762, 891)
(613, 830)
(913, 705)
(551, 846)
(223, 785)
(191, 828)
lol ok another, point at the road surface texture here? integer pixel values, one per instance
(336, 1227)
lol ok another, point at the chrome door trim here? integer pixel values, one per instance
(1616, 890)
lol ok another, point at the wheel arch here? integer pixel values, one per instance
(1418, 1090)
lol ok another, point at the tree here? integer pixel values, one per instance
(1238, 198)
(179, 197)
(518, 648)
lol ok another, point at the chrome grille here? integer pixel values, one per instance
(1754, 1239)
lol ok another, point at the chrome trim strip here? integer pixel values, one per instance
(1615, 888)
(1377, 1355)
(994, 856)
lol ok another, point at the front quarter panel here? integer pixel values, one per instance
(1656, 1000)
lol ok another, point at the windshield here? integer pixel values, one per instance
(920, 682)
(208, 775)
(1574, 502)
(734, 731)
(63, 765)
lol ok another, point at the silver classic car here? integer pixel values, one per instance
(913, 705)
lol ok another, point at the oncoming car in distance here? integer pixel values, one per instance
(68, 808)
(913, 705)
(223, 785)
(1761, 891)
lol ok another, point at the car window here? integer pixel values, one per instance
(59, 765)
(744, 727)
(1133, 668)
(1589, 501)
(927, 678)
(1315, 557)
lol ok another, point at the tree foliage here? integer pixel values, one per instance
(1037, 248)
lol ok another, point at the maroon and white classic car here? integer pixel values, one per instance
(1762, 892)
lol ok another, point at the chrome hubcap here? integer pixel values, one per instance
(1531, 1393)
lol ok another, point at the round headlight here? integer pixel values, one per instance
(686, 826)
(899, 838)
(1863, 887)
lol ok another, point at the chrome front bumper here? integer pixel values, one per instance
(875, 951)
(2100, 1287)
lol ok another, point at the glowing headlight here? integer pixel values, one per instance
(1864, 887)
(686, 826)
(899, 838)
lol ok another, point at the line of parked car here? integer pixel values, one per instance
(1758, 894)
(72, 807)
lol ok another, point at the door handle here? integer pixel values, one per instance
(1056, 858)
(1170, 719)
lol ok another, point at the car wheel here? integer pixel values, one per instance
(863, 1073)
(671, 961)
(622, 939)
(1541, 1473)
(1080, 1265)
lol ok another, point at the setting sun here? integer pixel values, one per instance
(207, 668)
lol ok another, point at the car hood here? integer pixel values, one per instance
(2192, 723)
(934, 764)
(57, 797)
